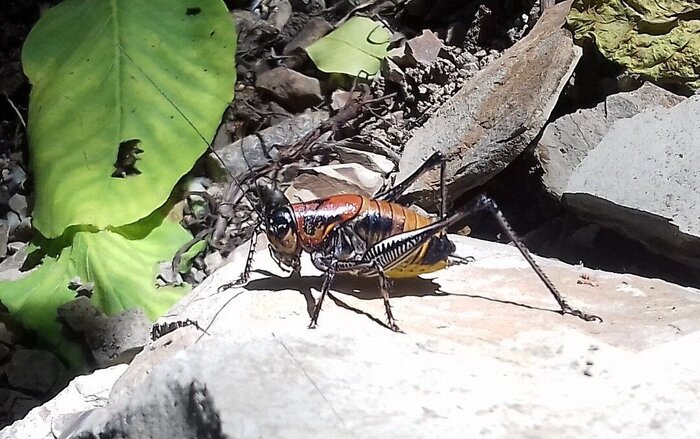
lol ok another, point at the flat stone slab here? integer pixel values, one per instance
(497, 113)
(483, 354)
(643, 180)
(566, 141)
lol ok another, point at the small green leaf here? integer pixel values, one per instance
(657, 39)
(356, 48)
(111, 80)
(123, 272)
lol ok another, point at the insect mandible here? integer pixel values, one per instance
(372, 237)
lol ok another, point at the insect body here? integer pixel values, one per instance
(360, 222)
(370, 237)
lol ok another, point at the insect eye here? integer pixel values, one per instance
(280, 223)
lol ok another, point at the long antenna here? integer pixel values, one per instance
(189, 122)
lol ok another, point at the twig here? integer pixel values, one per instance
(21, 119)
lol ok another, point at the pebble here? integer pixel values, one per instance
(425, 48)
(314, 29)
(290, 88)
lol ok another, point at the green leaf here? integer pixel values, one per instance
(123, 271)
(107, 73)
(657, 39)
(357, 47)
(34, 299)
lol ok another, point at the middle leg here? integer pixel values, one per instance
(327, 280)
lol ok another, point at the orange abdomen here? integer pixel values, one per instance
(372, 221)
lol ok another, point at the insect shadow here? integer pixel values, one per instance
(365, 289)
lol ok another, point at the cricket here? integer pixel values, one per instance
(372, 237)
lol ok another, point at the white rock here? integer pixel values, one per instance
(643, 180)
(482, 355)
(566, 141)
(83, 393)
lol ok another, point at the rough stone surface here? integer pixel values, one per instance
(49, 420)
(114, 339)
(34, 370)
(498, 112)
(643, 180)
(566, 141)
(483, 354)
(290, 88)
(14, 405)
(314, 29)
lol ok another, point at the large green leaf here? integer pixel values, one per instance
(105, 72)
(356, 47)
(122, 267)
(124, 270)
(34, 299)
(658, 39)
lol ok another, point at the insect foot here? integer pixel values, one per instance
(566, 309)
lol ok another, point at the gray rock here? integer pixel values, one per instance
(18, 204)
(290, 88)
(281, 11)
(258, 150)
(497, 113)
(643, 180)
(10, 267)
(34, 370)
(4, 352)
(14, 405)
(567, 141)
(112, 340)
(313, 30)
(484, 357)
(392, 72)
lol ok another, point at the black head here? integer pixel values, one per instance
(279, 222)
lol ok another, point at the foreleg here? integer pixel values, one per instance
(327, 279)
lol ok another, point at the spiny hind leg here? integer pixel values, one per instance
(485, 202)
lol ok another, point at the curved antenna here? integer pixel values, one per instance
(189, 122)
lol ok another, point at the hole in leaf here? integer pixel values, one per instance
(126, 159)
(193, 11)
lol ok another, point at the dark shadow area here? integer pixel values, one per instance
(364, 289)
(548, 230)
